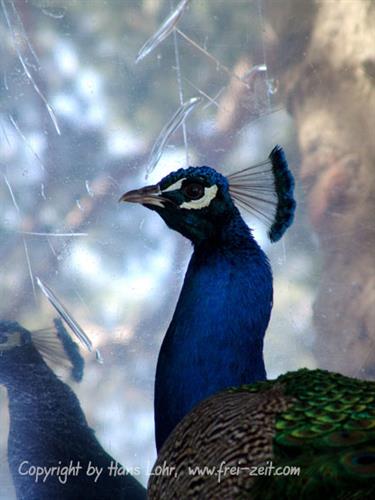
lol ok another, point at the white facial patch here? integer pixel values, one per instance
(204, 201)
(14, 340)
(175, 186)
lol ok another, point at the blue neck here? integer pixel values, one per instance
(215, 339)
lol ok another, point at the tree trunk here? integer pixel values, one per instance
(324, 56)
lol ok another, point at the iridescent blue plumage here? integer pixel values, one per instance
(215, 339)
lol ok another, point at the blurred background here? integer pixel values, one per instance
(78, 120)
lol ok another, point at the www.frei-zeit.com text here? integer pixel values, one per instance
(63, 472)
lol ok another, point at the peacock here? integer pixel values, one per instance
(222, 429)
(47, 425)
(215, 338)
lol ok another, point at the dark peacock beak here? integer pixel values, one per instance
(149, 195)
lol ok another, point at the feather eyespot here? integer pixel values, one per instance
(193, 190)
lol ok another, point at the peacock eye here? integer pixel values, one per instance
(193, 190)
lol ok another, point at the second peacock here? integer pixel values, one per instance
(52, 451)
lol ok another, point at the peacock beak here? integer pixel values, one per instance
(149, 195)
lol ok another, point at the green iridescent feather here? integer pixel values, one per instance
(329, 432)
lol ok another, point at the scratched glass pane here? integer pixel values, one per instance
(78, 123)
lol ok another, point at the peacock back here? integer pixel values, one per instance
(303, 435)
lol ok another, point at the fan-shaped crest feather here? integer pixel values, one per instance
(58, 347)
(266, 191)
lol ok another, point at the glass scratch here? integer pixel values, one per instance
(23, 137)
(261, 22)
(51, 247)
(60, 235)
(202, 93)
(24, 33)
(180, 92)
(5, 133)
(42, 192)
(11, 193)
(29, 267)
(89, 190)
(211, 57)
(177, 119)
(215, 98)
(14, 35)
(5, 79)
(55, 13)
(259, 68)
(81, 299)
(113, 181)
(78, 203)
(163, 32)
(65, 315)
(99, 357)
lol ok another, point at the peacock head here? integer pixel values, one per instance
(12, 336)
(198, 201)
(14, 342)
(194, 201)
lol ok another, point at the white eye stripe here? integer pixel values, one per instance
(14, 340)
(204, 201)
(175, 186)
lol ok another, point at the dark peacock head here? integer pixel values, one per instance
(12, 337)
(193, 201)
(198, 201)
(15, 342)
(21, 348)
